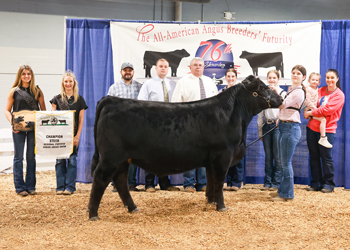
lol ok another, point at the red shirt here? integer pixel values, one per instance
(331, 110)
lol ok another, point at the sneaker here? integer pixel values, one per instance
(150, 190)
(190, 189)
(203, 189)
(264, 188)
(66, 192)
(273, 194)
(273, 189)
(324, 142)
(310, 189)
(172, 188)
(234, 188)
(23, 193)
(133, 188)
(325, 190)
(59, 192)
(32, 192)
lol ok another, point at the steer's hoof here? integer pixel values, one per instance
(95, 218)
(88, 210)
(135, 210)
(224, 209)
(212, 203)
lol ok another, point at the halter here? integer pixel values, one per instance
(257, 95)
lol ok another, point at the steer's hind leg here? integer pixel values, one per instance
(210, 187)
(218, 167)
(218, 190)
(120, 179)
(102, 177)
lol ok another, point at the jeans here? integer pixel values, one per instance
(322, 175)
(18, 142)
(272, 161)
(290, 134)
(235, 175)
(132, 175)
(164, 181)
(201, 177)
(66, 172)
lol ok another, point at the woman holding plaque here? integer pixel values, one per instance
(23, 99)
(69, 99)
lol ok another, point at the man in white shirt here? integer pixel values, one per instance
(194, 87)
(126, 87)
(159, 89)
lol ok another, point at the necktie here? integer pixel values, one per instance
(201, 87)
(166, 94)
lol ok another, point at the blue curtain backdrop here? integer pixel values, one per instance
(89, 55)
(335, 53)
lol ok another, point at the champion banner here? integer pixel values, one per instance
(249, 48)
(54, 132)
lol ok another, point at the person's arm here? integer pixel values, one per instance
(177, 95)
(260, 122)
(42, 101)
(80, 127)
(334, 103)
(295, 97)
(143, 94)
(53, 107)
(279, 91)
(8, 108)
(112, 91)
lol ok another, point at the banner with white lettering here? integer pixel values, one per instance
(54, 131)
(249, 48)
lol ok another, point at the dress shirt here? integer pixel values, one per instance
(187, 89)
(152, 90)
(122, 90)
(295, 98)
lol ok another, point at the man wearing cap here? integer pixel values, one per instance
(159, 89)
(126, 87)
(194, 87)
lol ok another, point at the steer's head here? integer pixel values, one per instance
(263, 95)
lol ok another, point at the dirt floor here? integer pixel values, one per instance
(172, 220)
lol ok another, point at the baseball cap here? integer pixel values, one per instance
(127, 65)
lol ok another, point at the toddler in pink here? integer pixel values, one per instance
(311, 103)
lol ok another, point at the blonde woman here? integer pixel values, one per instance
(24, 95)
(267, 120)
(69, 99)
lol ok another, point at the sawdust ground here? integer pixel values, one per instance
(172, 220)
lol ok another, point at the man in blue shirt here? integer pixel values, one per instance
(158, 89)
(126, 87)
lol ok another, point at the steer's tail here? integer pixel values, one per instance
(96, 157)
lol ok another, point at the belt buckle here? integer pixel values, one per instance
(270, 121)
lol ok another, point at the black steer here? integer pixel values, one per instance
(171, 138)
(264, 60)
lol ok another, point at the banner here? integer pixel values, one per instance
(54, 131)
(249, 48)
